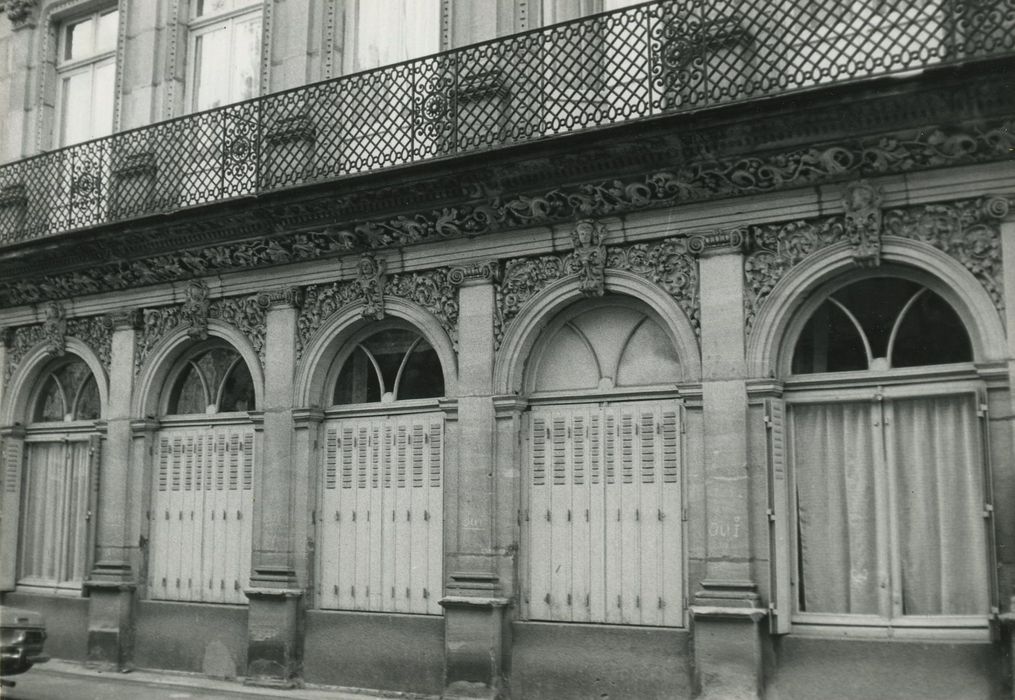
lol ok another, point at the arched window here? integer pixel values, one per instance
(884, 432)
(390, 365)
(215, 380)
(60, 458)
(601, 525)
(380, 547)
(202, 492)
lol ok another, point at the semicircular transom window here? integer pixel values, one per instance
(878, 324)
(606, 347)
(390, 365)
(216, 380)
(69, 392)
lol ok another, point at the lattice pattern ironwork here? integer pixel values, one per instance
(657, 58)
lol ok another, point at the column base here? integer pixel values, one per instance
(726, 637)
(110, 625)
(475, 644)
(275, 637)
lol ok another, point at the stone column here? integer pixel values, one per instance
(113, 578)
(274, 649)
(726, 610)
(474, 606)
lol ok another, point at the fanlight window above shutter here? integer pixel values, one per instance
(391, 365)
(69, 393)
(216, 380)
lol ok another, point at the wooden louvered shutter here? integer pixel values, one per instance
(780, 607)
(11, 455)
(990, 519)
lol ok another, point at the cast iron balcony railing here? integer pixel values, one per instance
(654, 59)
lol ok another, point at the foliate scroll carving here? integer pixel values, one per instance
(433, 290)
(667, 263)
(195, 309)
(861, 202)
(477, 272)
(588, 260)
(967, 230)
(93, 331)
(54, 329)
(371, 279)
(18, 11)
(246, 314)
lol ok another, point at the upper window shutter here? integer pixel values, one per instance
(781, 604)
(990, 521)
(10, 469)
(92, 479)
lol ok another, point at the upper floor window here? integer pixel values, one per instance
(555, 11)
(213, 380)
(224, 52)
(381, 32)
(86, 76)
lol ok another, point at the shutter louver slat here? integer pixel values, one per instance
(330, 458)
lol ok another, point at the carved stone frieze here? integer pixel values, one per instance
(371, 279)
(861, 202)
(967, 230)
(246, 314)
(667, 263)
(694, 179)
(93, 331)
(432, 289)
(588, 260)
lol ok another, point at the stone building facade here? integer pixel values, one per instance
(638, 350)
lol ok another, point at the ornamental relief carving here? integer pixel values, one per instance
(668, 263)
(246, 314)
(693, 181)
(93, 331)
(433, 290)
(967, 230)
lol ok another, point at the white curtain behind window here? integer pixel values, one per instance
(834, 455)
(389, 31)
(939, 494)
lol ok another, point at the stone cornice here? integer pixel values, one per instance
(912, 128)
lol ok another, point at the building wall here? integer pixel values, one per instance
(726, 277)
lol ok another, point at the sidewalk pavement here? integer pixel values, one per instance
(236, 688)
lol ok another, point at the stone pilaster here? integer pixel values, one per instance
(113, 578)
(726, 610)
(474, 605)
(274, 649)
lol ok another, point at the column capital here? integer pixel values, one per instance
(281, 298)
(128, 319)
(16, 431)
(718, 242)
(508, 404)
(303, 418)
(140, 426)
(475, 272)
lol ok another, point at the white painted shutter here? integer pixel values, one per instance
(202, 504)
(780, 606)
(11, 451)
(381, 525)
(602, 526)
(990, 520)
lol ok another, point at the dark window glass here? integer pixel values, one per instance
(215, 381)
(390, 365)
(69, 392)
(896, 317)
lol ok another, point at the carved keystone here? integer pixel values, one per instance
(371, 279)
(862, 204)
(54, 329)
(589, 258)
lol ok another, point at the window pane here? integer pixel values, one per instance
(357, 382)
(834, 448)
(389, 31)
(106, 35)
(79, 40)
(649, 358)
(211, 71)
(829, 343)
(190, 395)
(246, 60)
(567, 363)
(51, 405)
(75, 112)
(876, 303)
(102, 100)
(422, 377)
(931, 333)
(939, 501)
(238, 390)
(88, 406)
